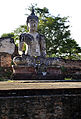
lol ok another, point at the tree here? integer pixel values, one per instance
(70, 51)
(9, 35)
(18, 31)
(58, 36)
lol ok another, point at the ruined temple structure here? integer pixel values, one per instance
(8, 50)
(33, 63)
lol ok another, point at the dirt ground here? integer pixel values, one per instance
(12, 85)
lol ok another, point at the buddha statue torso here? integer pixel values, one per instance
(35, 42)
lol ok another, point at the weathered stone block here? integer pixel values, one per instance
(7, 45)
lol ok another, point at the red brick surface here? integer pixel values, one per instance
(40, 104)
(5, 60)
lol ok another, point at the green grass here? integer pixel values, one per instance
(68, 79)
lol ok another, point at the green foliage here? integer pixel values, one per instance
(68, 79)
(10, 35)
(18, 31)
(5, 73)
(58, 36)
(63, 69)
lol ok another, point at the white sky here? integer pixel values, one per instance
(12, 14)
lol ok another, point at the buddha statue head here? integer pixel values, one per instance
(32, 21)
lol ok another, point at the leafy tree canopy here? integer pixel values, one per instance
(10, 35)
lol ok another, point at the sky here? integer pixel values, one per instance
(12, 14)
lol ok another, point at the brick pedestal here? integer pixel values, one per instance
(25, 72)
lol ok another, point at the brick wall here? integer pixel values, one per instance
(71, 63)
(40, 104)
(5, 60)
(7, 50)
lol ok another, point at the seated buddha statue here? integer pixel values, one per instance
(35, 42)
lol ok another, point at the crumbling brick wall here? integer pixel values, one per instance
(8, 50)
(71, 63)
(5, 60)
(40, 104)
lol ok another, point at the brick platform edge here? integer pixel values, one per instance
(40, 104)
